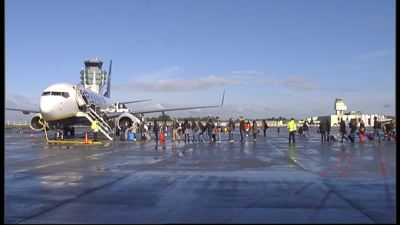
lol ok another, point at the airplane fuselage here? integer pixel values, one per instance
(61, 102)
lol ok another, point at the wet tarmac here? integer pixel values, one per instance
(265, 182)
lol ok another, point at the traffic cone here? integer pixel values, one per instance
(86, 138)
(31, 134)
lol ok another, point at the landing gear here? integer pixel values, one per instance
(71, 130)
(58, 135)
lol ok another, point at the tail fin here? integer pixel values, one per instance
(107, 94)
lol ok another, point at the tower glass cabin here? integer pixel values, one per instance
(92, 76)
(340, 106)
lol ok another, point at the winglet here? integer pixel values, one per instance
(223, 97)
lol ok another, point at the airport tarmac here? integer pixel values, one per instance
(131, 182)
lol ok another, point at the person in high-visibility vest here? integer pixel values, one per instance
(278, 124)
(291, 126)
(95, 127)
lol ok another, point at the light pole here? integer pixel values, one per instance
(386, 110)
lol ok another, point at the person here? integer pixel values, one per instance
(300, 132)
(163, 128)
(142, 129)
(392, 128)
(202, 129)
(377, 127)
(386, 130)
(84, 108)
(231, 129)
(97, 109)
(241, 128)
(255, 130)
(347, 122)
(218, 129)
(328, 129)
(210, 129)
(195, 132)
(84, 97)
(264, 126)
(175, 126)
(353, 128)
(133, 129)
(124, 131)
(291, 126)
(95, 128)
(93, 106)
(156, 129)
(305, 128)
(342, 130)
(186, 130)
(322, 130)
(247, 128)
(361, 128)
(278, 124)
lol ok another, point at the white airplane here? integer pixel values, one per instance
(63, 106)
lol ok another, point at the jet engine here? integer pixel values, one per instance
(35, 124)
(126, 117)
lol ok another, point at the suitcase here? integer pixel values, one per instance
(200, 137)
(148, 137)
(131, 136)
(362, 137)
(162, 137)
(332, 138)
(351, 138)
(369, 136)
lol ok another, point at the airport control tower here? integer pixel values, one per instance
(92, 76)
(340, 106)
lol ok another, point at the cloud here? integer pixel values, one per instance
(21, 102)
(248, 72)
(374, 54)
(178, 85)
(293, 81)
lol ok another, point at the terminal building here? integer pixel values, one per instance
(340, 108)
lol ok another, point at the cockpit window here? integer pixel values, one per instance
(56, 93)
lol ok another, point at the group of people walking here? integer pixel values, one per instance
(192, 131)
(195, 132)
(388, 130)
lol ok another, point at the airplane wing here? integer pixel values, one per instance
(113, 114)
(136, 101)
(185, 108)
(24, 111)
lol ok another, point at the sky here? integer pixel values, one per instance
(273, 58)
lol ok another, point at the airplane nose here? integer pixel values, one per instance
(47, 107)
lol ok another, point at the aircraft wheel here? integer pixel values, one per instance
(72, 131)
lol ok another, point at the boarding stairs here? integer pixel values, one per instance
(91, 115)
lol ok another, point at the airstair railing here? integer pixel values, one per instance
(103, 125)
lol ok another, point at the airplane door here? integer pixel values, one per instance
(79, 99)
